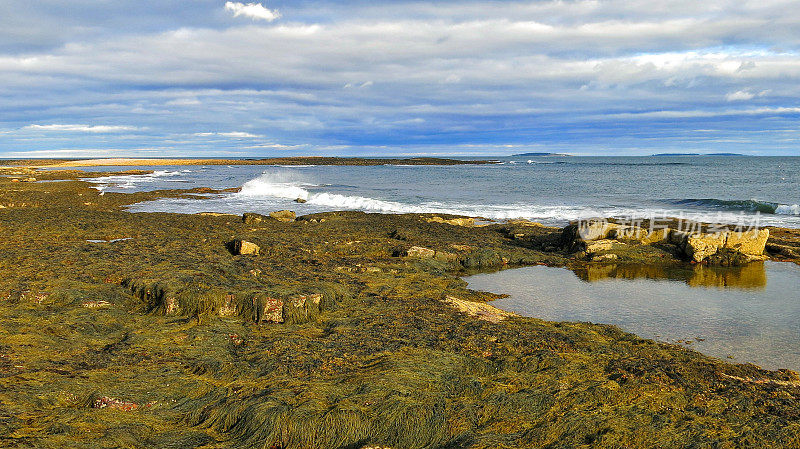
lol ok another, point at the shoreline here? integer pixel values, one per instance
(337, 320)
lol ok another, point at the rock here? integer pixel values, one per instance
(464, 221)
(243, 247)
(171, 306)
(420, 252)
(701, 245)
(598, 235)
(285, 216)
(271, 310)
(783, 250)
(600, 245)
(629, 233)
(250, 218)
(29, 180)
(215, 214)
(462, 248)
(595, 230)
(481, 310)
(528, 223)
(301, 300)
(301, 200)
(107, 402)
(228, 307)
(602, 257)
(751, 243)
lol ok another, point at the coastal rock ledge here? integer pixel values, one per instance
(698, 244)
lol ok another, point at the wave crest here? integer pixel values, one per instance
(764, 207)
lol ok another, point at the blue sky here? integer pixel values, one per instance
(216, 78)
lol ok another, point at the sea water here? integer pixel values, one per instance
(551, 190)
(744, 314)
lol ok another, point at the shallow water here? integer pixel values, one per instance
(552, 190)
(747, 314)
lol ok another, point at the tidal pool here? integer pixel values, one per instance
(745, 314)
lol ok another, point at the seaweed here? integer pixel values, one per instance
(169, 340)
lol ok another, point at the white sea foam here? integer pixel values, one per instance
(129, 181)
(289, 186)
(784, 209)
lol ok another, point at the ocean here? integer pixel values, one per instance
(552, 190)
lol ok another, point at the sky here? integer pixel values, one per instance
(206, 78)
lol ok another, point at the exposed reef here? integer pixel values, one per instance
(343, 330)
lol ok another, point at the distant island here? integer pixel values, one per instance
(539, 154)
(699, 154)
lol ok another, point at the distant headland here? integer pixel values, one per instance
(699, 154)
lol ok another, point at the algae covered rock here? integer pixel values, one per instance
(285, 216)
(480, 310)
(460, 221)
(251, 218)
(243, 247)
(420, 252)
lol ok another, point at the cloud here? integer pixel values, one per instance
(255, 11)
(81, 128)
(428, 73)
(740, 95)
(701, 113)
(232, 134)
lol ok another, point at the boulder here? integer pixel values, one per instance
(599, 235)
(300, 200)
(420, 252)
(702, 245)
(751, 243)
(243, 247)
(480, 310)
(250, 218)
(600, 245)
(285, 216)
(595, 230)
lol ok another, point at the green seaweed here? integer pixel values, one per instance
(172, 322)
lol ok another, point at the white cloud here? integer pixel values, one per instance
(745, 94)
(232, 134)
(190, 101)
(252, 10)
(701, 113)
(81, 128)
(740, 95)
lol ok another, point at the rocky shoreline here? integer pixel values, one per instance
(340, 329)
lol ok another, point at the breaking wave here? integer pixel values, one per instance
(763, 207)
(130, 181)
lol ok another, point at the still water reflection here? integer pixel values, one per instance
(748, 314)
